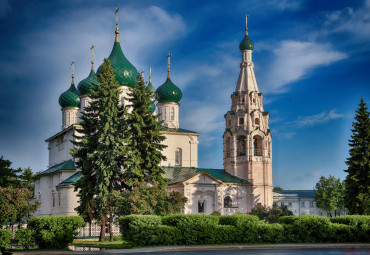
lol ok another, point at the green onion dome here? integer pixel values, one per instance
(124, 71)
(151, 87)
(168, 92)
(86, 84)
(70, 98)
(246, 44)
(152, 107)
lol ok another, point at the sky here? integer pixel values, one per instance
(311, 61)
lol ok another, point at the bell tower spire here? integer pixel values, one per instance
(247, 137)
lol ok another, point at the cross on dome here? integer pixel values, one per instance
(169, 63)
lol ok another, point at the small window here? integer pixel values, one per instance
(257, 121)
(242, 145)
(289, 203)
(53, 200)
(172, 113)
(59, 199)
(282, 204)
(311, 204)
(241, 121)
(302, 204)
(274, 204)
(229, 123)
(227, 147)
(228, 202)
(200, 207)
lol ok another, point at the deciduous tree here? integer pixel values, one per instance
(329, 194)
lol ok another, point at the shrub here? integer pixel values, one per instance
(25, 237)
(238, 220)
(195, 229)
(5, 237)
(55, 231)
(342, 233)
(226, 234)
(270, 233)
(352, 220)
(133, 225)
(288, 219)
(216, 213)
(249, 232)
(270, 214)
(310, 228)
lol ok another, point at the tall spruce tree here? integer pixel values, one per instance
(100, 150)
(144, 140)
(357, 182)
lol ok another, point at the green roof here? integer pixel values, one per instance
(168, 92)
(124, 71)
(181, 174)
(178, 130)
(70, 97)
(71, 180)
(265, 113)
(66, 165)
(86, 84)
(246, 44)
(151, 87)
(299, 193)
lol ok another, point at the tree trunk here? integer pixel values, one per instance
(110, 230)
(102, 230)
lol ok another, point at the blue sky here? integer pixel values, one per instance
(311, 61)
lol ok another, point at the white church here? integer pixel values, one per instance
(245, 181)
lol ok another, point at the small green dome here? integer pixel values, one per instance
(70, 98)
(246, 44)
(152, 107)
(124, 71)
(168, 92)
(151, 87)
(86, 84)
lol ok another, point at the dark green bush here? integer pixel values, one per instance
(25, 237)
(270, 233)
(216, 213)
(311, 229)
(249, 232)
(238, 220)
(159, 235)
(55, 231)
(352, 220)
(132, 226)
(342, 233)
(5, 237)
(288, 219)
(195, 228)
(226, 234)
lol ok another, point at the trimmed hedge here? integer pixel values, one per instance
(238, 220)
(55, 231)
(25, 237)
(239, 228)
(5, 238)
(352, 220)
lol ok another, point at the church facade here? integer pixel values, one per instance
(245, 181)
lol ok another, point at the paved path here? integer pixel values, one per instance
(170, 249)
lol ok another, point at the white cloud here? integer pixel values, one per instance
(355, 22)
(316, 119)
(293, 60)
(4, 8)
(312, 175)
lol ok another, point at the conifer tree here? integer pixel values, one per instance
(357, 182)
(144, 140)
(100, 150)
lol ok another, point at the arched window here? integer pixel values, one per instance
(241, 121)
(227, 147)
(201, 207)
(242, 145)
(257, 121)
(257, 142)
(228, 202)
(178, 157)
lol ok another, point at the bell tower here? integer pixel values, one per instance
(247, 137)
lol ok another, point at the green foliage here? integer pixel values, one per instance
(329, 193)
(132, 226)
(144, 140)
(144, 199)
(99, 149)
(270, 233)
(277, 188)
(357, 182)
(25, 237)
(238, 220)
(288, 219)
(5, 238)
(312, 229)
(352, 220)
(216, 213)
(55, 231)
(270, 214)
(16, 205)
(8, 176)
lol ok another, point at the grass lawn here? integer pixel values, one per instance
(118, 243)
